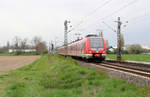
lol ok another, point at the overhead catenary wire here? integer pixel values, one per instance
(130, 20)
(91, 13)
(108, 26)
(115, 12)
(99, 7)
(134, 20)
(120, 9)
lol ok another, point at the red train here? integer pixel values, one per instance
(91, 47)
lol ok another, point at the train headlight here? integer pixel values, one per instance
(90, 51)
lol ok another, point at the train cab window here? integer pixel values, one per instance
(96, 43)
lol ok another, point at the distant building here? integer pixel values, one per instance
(145, 46)
(22, 50)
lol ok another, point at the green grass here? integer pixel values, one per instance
(11, 54)
(54, 76)
(132, 57)
(7, 54)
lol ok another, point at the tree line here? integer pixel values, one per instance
(20, 46)
(127, 49)
(130, 49)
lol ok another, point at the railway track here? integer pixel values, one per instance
(129, 65)
(135, 71)
(140, 65)
(129, 72)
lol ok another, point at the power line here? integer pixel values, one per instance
(118, 10)
(109, 27)
(122, 8)
(91, 13)
(99, 7)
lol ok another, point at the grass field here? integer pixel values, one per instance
(11, 54)
(132, 57)
(7, 54)
(54, 76)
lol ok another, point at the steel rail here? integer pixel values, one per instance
(130, 66)
(125, 69)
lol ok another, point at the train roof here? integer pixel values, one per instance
(92, 35)
(88, 36)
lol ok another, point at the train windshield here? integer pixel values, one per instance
(96, 43)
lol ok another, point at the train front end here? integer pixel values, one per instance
(96, 48)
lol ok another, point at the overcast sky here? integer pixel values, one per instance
(45, 18)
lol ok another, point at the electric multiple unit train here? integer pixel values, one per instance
(90, 48)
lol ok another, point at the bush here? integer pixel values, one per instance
(45, 52)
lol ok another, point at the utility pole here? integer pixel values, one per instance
(66, 36)
(49, 48)
(119, 48)
(119, 43)
(101, 33)
(52, 48)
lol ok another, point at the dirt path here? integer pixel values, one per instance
(13, 62)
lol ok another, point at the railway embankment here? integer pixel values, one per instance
(56, 76)
(131, 74)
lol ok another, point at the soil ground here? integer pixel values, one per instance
(13, 62)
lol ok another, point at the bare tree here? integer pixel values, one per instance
(23, 44)
(16, 42)
(16, 46)
(36, 40)
(8, 45)
(39, 45)
(20, 45)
